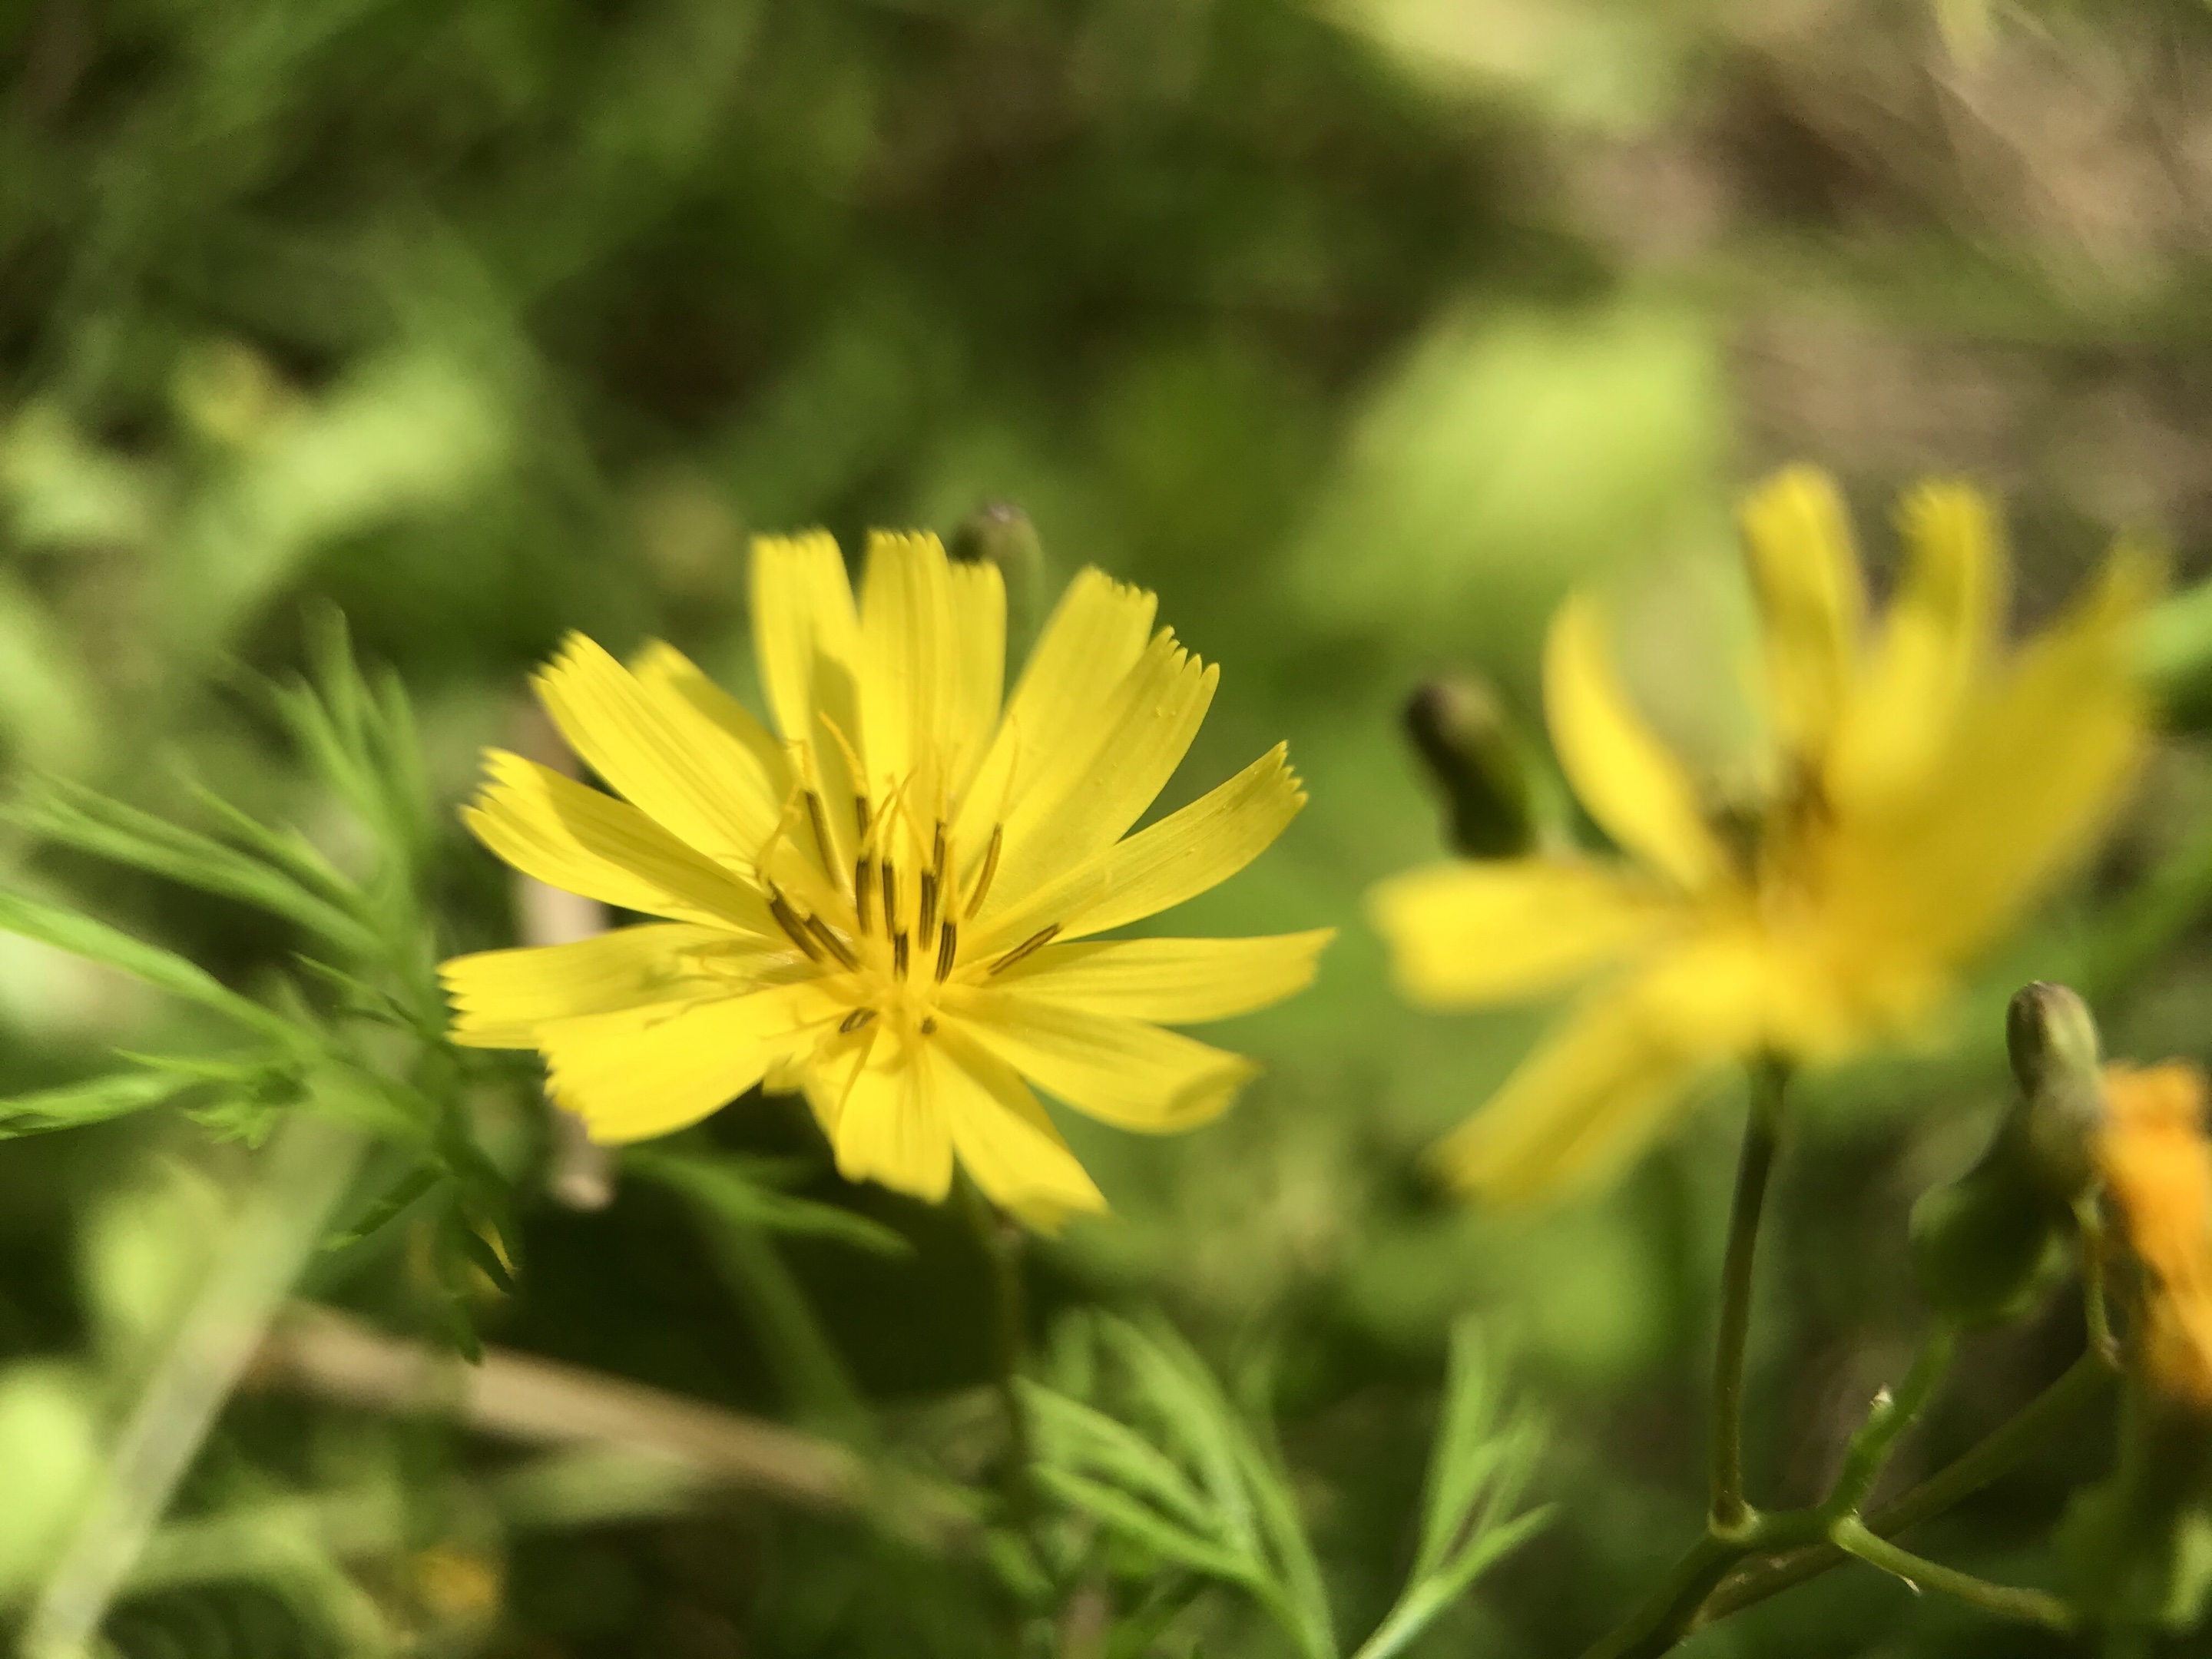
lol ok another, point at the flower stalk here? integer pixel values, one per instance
(1762, 1138)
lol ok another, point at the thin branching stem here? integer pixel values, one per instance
(1659, 1624)
(1761, 1135)
(1892, 1415)
(2031, 1607)
(1995, 1456)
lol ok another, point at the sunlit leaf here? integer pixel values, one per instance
(93, 1101)
(734, 1188)
(95, 941)
(90, 823)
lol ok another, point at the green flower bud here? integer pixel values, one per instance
(2058, 1058)
(1987, 1244)
(1477, 757)
(1000, 533)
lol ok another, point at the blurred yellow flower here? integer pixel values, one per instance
(2158, 1168)
(1921, 787)
(886, 906)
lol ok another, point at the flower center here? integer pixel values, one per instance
(891, 930)
(1773, 839)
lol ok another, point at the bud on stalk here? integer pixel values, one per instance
(1985, 1245)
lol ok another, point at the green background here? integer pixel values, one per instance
(1358, 332)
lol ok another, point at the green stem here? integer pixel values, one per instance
(2001, 1451)
(1664, 1619)
(2031, 1607)
(1001, 1243)
(1762, 1133)
(1733, 1529)
(2096, 1314)
(1993, 1457)
(1893, 1415)
(807, 1366)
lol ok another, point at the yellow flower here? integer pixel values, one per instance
(1920, 788)
(887, 905)
(2158, 1170)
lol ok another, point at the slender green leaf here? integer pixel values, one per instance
(253, 1070)
(363, 1000)
(93, 1101)
(336, 676)
(80, 935)
(311, 727)
(91, 822)
(1194, 1411)
(1494, 1544)
(1465, 1450)
(402, 749)
(288, 849)
(1479, 1468)
(477, 1250)
(1277, 1506)
(387, 1208)
(1075, 1436)
(1111, 1507)
(731, 1186)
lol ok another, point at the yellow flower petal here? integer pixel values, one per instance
(794, 868)
(1082, 798)
(2158, 1168)
(1934, 645)
(1604, 1083)
(908, 679)
(891, 1124)
(867, 985)
(1177, 982)
(661, 753)
(499, 998)
(661, 667)
(1591, 1098)
(1630, 784)
(1123, 1072)
(1812, 603)
(2035, 770)
(650, 1071)
(1469, 933)
(806, 635)
(1004, 1138)
(979, 626)
(1184, 854)
(577, 839)
(1092, 640)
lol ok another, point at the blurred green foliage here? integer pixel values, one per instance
(1359, 329)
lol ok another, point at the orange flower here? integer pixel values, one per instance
(2157, 1166)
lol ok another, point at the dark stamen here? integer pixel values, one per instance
(948, 947)
(853, 1020)
(891, 897)
(864, 891)
(938, 882)
(820, 818)
(829, 942)
(860, 814)
(793, 928)
(928, 928)
(929, 1025)
(990, 869)
(1033, 943)
(899, 953)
